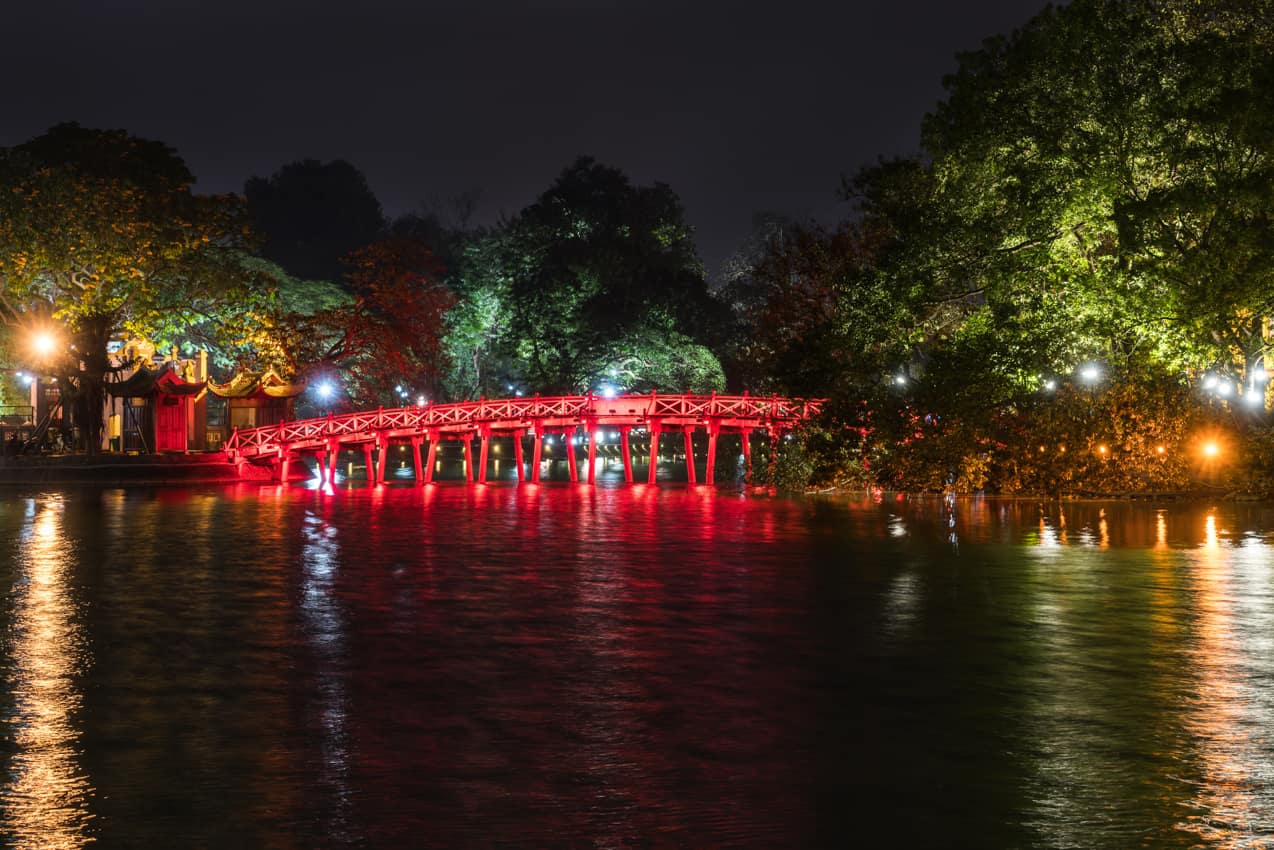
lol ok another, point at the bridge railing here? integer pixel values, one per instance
(763, 410)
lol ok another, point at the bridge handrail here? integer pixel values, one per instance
(771, 410)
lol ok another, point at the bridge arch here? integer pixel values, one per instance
(372, 431)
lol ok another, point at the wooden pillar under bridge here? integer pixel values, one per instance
(334, 456)
(654, 427)
(714, 429)
(517, 455)
(591, 427)
(625, 451)
(321, 456)
(690, 454)
(367, 463)
(415, 459)
(434, 436)
(285, 457)
(484, 441)
(382, 456)
(747, 455)
(568, 438)
(537, 449)
(468, 457)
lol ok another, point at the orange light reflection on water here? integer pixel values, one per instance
(46, 797)
(1230, 719)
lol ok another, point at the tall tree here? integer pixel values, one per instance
(595, 266)
(99, 230)
(312, 214)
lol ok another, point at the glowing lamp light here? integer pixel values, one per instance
(1209, 382)
(901, 380)
(1259, 375)
(1160, 450)
(598, 437)
(1255, 397)
(1223, 388)
(1090, 373)
(608, 391)
(1101, 450)
(43, 343)
(325, 390)
(1050, 385)
(1211, 449)
(421, 401)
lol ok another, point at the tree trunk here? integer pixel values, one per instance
(92, 333)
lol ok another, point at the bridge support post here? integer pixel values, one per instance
(568, 437)
(415, 459)
(747, 455)
(592, 449)
(368, 465)
(690, 454)
(468, 457)
(433, 454)
(537, 449)
(326, 470)
(517, 455)
(625, 451)
(714, 429)
(382, 456)
(654, 451)
(484, 441)
(284, 458)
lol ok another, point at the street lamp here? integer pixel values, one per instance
(43, 343)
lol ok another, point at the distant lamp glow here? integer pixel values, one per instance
(1101, 450)
(325, 390)
(1255, 397)
(1090, 374)
(1259, 375)
(1160, 450)
(1050, 385)
(608, 391)
(1223, 388)
(1211, 449)
(900, 380)
(1209, 382)
(27, 380)
(421, 401)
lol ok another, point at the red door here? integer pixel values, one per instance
(170, 424)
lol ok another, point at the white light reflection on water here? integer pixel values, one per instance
(325, 626)
(47, 793)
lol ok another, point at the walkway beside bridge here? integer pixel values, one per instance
(515, 418)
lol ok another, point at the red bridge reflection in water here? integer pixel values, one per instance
(518, 418)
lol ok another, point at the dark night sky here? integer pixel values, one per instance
(741, 107)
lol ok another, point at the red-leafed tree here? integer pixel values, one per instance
(390, 334)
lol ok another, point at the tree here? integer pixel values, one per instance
(388, 334)
(99, 231)
(311, 215)
(594, 264)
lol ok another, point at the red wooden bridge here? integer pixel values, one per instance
(516, 418)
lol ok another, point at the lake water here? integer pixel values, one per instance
(631, 667)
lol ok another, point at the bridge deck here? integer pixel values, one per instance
(517, 417)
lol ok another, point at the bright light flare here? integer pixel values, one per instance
(608, 391)
(1255, 397)
(1211, 449)
(43, 343)
(1223, 388)
(1089, 373)
(325, 390)
(1259, 375)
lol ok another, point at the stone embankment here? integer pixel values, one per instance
(209, 467)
